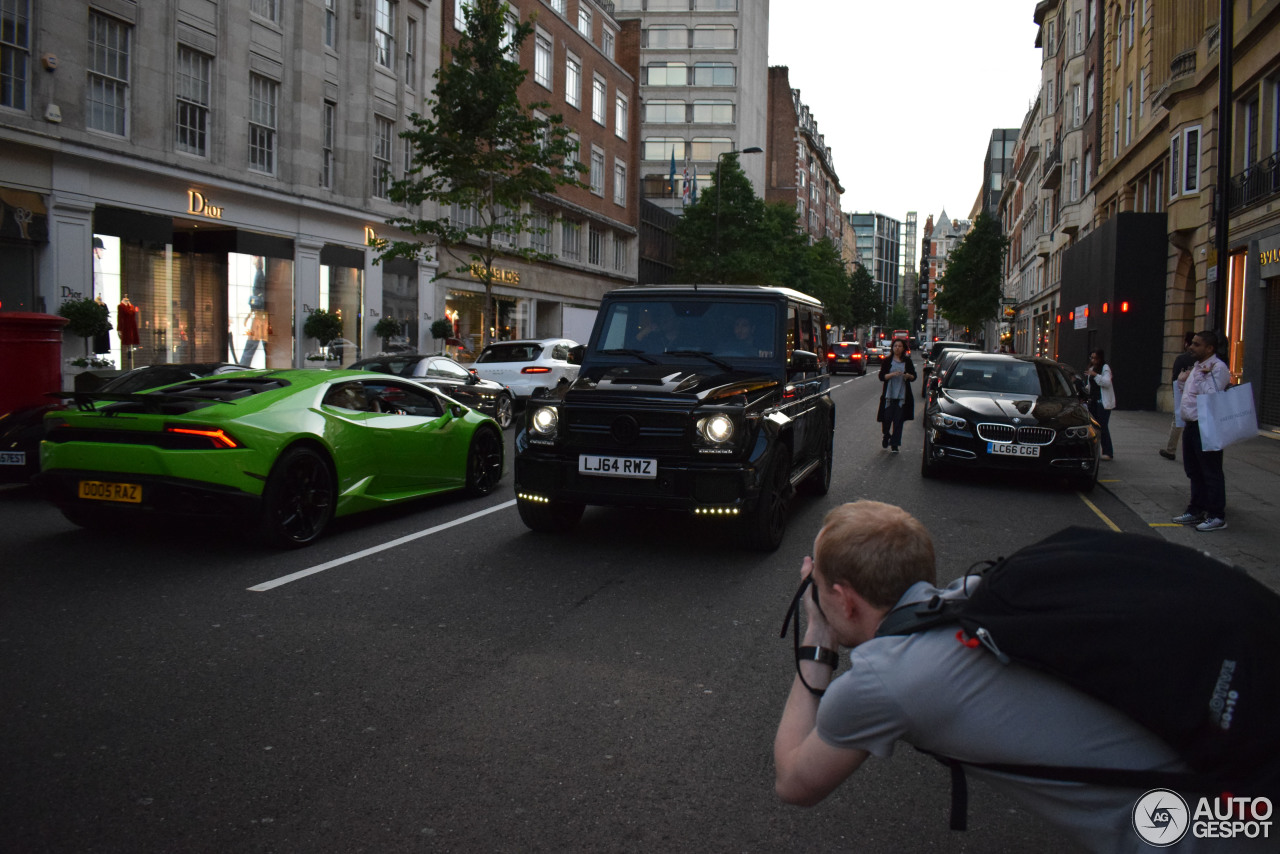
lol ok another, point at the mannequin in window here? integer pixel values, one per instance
(102, 341)
(257, 326)
(127, 318)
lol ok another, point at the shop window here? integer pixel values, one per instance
(15, 53)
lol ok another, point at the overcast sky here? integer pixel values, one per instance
(907, 93)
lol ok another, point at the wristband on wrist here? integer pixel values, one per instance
(820, 654)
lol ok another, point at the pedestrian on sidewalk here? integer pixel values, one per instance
(896, 402)
(1182, 361)
(1209, 375)
(1102, 397)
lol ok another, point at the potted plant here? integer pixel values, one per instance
(86, 318)
(387, 327)
(441, 329)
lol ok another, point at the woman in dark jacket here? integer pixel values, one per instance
(896, 402)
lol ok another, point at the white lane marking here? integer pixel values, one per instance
(408, 538)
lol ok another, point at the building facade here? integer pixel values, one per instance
(703, 91)
(877, 241)
(800, 170)
(940, 238)
(216, 171)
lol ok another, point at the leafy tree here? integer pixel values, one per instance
(864, 297)
(479, 149)
(969, 291)
(86, 318)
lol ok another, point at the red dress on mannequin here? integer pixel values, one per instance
(127, 319)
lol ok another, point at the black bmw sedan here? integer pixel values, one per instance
(1018, 413)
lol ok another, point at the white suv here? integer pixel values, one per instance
(527, 365)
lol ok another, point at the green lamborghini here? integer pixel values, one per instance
(287, 450)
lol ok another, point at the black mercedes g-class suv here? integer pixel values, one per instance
(707, 399)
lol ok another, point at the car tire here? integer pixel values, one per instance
(819, 482)
(928, 467)
(766, 525)
(298, 501)
(504, 411)
(484, 462)
(553, 517)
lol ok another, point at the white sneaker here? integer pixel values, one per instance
(1189, 518)
(1212, 524)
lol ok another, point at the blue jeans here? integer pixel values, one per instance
(1103, 416)
(1204, 468)
(892, 423)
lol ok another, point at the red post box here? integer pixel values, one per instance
(30, 358)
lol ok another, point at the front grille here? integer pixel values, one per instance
(630, 431)
(1008, 433)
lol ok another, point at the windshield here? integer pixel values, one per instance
(1009, 376)
(510, 353)
(723, 329)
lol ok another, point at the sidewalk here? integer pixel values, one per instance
(1157, 489)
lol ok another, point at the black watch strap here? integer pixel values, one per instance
(820, 654)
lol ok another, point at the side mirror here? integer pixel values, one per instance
(934, 384)
(457, 410)
(575, 354)
(802, 361)
(472, 376)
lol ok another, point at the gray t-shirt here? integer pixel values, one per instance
(932, 692)
(893, 387)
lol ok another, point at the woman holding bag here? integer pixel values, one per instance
(1102, 397)
(1207, 509)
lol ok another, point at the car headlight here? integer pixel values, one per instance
(545, 421)
(1085, 432)
(949, 422)
(716, 429)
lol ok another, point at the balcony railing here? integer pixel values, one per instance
(1052, 169)
(1260, 181)
(1183, 64)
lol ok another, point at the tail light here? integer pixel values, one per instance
(535, 370)
(218, 438)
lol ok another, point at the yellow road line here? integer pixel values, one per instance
(1165, 525)
(1103, 516)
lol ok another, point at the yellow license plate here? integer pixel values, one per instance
(98, 490)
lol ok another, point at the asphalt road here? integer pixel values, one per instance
(474, 688)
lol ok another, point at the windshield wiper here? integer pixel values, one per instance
(620, 351)
(706, 354)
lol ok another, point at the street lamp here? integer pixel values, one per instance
(754, 149)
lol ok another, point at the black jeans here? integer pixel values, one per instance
(892, 423)
(1204, 468)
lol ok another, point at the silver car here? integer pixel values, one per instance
(524, 366)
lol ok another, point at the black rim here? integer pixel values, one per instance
(777, 501)
(305, 499)
(486, 462)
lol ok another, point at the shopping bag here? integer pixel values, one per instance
(1226, 417)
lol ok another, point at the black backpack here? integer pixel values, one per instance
(1185, 645)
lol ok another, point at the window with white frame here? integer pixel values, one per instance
(1115, 132)
(1079, 33)
(382, 134)
(1128, 114)
(1119, 37)
(667, 36)
(269, 9)
(571, 158)
(666, 74)
(1077, 107)
(264, 95)
(1142, 91)
(1251, 134)
(607, 39)
(460, 14)
(15, 53)
(1048, 101)
(713, 112)
(539, 231)
(584, 19)
(107, 95)
(463, 216)
(406, 161)
(411, 53)
(328, 123)
(1132, 13)
(570, 240)
(1146, 12)
(330, 23)
(1088, 170)
(620, 115)
(619, 252)
(596, 173)
(508, 43)
(714, 74)
(664, 112)
(619, 183)
(1051, 43)
(1157, 190)
(1175, 164)
(1191, 157)
(715, 37)
(1075, 179)
(599, 94)
(191, 80)
(1091, 7)
(542, 58)
(663, 148)
(1088, 94)
(573, 81)
(384, 33)
(595, 246)
(559, 6)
